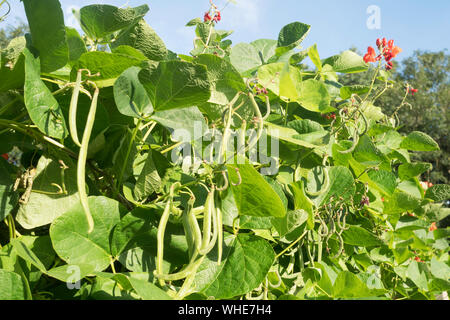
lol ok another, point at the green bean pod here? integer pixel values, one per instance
(73, 110)
(188, 230)
(160, 239)
(82, 157)
(219, 235)
(208, 217)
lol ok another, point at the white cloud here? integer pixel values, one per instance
(244, 15)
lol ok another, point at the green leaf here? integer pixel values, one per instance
(28, 255)
(419, 141)
(176, 84)
(438, 193)
(310, 131)
(265, 202)
(75, 43)
(138, 229)
(440, 269)
(42, 107)
(225, 80)
(130, 95)
(286, 134)
(147, 290)
(189, 123)
(289, 226)
(109, 65)
(407, 171)
(245, 58)
(41, 208)
(246, 262)
(7, 199)
(348, 285)
(72, 241)
(265, 48)
(400, 202)
(341, 184)
(347, 91)
(99, 21)
(12, 286)
(314, 56)
(12, 68)
(71, 273)
(288, 86)
(385, 181)
(142, 37)
(367, 153)
(149, 180)
(48, 33)
(314, 96)
(346, 62)
(417, 275)
(357, 236)
(291, 36)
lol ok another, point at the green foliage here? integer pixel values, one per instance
(319, 196)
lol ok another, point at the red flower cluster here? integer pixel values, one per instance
(433, 227)
(413, 91)
(261, 91)
(5, 156)
(418, 259)
(207, 17)
(329, 116)
(386, 49)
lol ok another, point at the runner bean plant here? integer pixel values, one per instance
(231, 172)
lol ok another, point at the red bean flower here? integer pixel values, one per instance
(387, 50)
(413, 91)
(217, 17)
(433, 227)
(370, 56)
(207, 17)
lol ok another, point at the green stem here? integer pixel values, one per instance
(291, 245)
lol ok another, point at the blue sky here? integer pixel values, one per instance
(336, 25)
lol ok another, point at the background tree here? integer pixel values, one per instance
(429, 73)
(11, 32)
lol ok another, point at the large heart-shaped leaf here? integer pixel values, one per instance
(419, 141)
(142, 37)
(130, 96)
(109, 66)
(101, 20)
(72, 240)
(42, 107)
(346, 62)
(225, 79)
(48, 33)
(253, 195)
(246, 262)
(176, 84)
(46, 203)
(291, 36)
